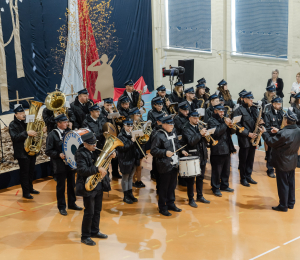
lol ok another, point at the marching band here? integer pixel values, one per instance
(181, 128)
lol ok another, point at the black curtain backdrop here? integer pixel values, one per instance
(39, 24)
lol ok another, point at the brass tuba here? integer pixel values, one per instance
(33, 144)
(55, 102)
(111, 143)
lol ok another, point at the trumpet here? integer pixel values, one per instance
(208, 138)
(235, 126)
(171, 107)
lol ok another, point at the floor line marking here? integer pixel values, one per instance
(240, 212)
(126, 256)
(11, 214)
(260, 204)
(229, 217)
(12, 207)
(182, 235)
(206, 226)
(194, 230)
(44, 205)
(155, 246)
(265, 253)
(291, 240)
(169, 240)
(218, 221)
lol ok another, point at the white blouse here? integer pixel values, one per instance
(296, 87)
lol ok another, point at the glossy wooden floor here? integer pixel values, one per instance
(236, 226)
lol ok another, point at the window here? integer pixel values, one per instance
(189, 24)
(260, 27)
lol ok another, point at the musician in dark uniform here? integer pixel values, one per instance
(182, 117)
(192, 102)
(94, 123)
(213, 101)
(156, 111)
(85, 158)
(106, 109)
(296, 107)
(61, 169)
(132, 94)
(249, 115)
(48, 118)
(135, 115)
(220, 153)
(196, 146)
(124, 109)
(162, 93)
(163, 149)
(225, 93)
(177, 95)
(273, 119)
(202, 81)
(285, 145)
(80, 107)
(268, 96)
(154, 172)
(240, 99)
(201, 96)
(18, 134)
(128, 160)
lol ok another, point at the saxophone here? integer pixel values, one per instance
(111, 143)
(255, 141)
(33, 144)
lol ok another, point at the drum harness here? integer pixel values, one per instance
(174, 156)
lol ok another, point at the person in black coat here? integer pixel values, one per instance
(124, 109)
(154, 172)
(85, 158)
(18, 134)
(177, 95)
(156, 111)
(249, 115)
(202, 96)
(161, 92)
(48, 118)
(106, 109)
(80, 107)
(220, 153)
(163, 149)
(273, 119)
(278, 83)
(285, 145)
(128, 160)
(132, 95)
(213, 101)
(268, 96)
(182, 117)
(196, 146)
(296, 107)
(61, 168)
(225, 93)
(94, 123)
(192, 102)
(135, 116)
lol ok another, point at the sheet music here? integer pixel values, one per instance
(142, 111)
(101, 104)
(236, 119)
(210, 131)
(147, 124)
(30, 118)
(137, 133)
(113, 115)
(201, 111)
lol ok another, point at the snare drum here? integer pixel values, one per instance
(189, 166)
(71, 142)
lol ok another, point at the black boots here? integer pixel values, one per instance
(130, 195)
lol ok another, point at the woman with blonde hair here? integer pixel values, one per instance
(277, 82)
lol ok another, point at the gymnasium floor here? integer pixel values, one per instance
(237, 226)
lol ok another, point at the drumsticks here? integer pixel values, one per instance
(179, 149)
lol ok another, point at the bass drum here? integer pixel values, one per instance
(71, 142)
(189, 166)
